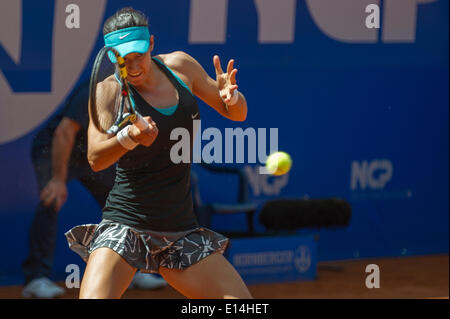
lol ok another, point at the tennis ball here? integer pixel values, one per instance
(278, 163)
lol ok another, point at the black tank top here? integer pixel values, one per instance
(150, 191)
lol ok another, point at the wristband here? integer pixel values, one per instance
(125, 140)
(234, 98)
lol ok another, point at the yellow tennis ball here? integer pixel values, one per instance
(278, 163)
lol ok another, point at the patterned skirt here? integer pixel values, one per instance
(147, 250)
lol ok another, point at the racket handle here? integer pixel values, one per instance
(139, 121)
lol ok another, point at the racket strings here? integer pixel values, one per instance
(106, 87)
(107, 108)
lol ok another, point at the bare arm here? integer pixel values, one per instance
(212, 92)
(62, 146)
(55, 192)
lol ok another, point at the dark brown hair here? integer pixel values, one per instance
(124, 18)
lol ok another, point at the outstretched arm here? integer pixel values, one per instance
(217, 93)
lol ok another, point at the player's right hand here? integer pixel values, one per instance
(146, 137)
(54, 193)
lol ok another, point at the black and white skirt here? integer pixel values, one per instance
(147, 250)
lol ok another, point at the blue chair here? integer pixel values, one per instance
(206, 211)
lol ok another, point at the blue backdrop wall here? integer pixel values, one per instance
(362, 111)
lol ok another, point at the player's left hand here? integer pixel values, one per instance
(226, 82)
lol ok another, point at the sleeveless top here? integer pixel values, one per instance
(150, 191)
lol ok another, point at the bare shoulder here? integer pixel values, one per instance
(181, 62)
(109, 84)
(107, 91)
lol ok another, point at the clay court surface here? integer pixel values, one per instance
(404, 277)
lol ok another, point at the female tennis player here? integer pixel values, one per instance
(148, 221)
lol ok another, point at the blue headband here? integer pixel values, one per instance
(128, 40)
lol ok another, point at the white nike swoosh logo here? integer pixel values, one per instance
(124, 36)
(194, 116)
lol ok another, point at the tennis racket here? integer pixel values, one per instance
(112, 108)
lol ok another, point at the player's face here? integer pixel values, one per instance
(138, 66)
